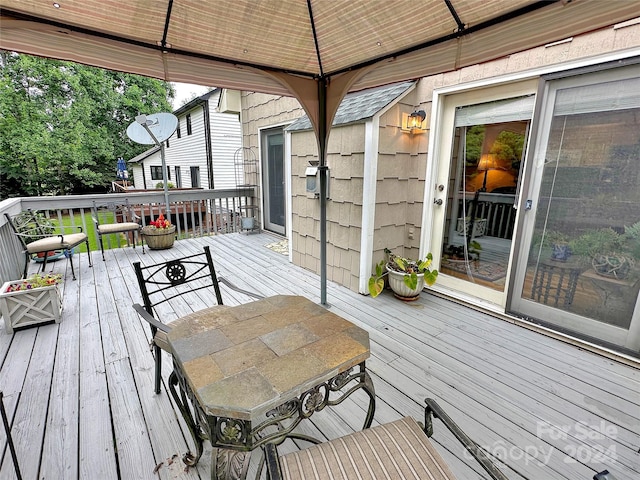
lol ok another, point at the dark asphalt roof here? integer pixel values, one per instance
(359, 105)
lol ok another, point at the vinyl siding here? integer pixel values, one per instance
(190, 150)
(226, 140)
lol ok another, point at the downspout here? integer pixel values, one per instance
(289, 197)
(370, 174)
(144, 176)
(207, 143)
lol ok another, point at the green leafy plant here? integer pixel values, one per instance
(631, 240)
(411, 268)
(161, 185)
(594, 242)
(453, 252)
(552, 237)
(609, 252)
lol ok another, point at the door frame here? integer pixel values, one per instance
(441, 142)
(262, 131)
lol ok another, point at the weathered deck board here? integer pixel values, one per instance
(61, 434)
(97, 455)
(80, 394)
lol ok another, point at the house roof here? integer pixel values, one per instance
(359, 106)
(144, 155)
(195, 102)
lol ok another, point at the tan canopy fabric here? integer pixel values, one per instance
(315, 50)
(284, 46)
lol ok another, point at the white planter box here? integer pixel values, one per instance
(25, 308)
(479, 227)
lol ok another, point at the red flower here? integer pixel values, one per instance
(160, 222)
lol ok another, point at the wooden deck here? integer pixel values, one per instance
(80, 398)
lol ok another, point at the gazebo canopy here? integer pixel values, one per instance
(315, 50)
(284, 46)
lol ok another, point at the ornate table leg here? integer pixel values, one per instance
(368, 387)
(363, 381)
(183, 405)
(229, 464)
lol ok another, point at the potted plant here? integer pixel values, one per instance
(610, 253)
(407, 277)
(458, 253)
(32, 301)
(159, 234)
(559, 244)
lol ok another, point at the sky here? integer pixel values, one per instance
(186, 91)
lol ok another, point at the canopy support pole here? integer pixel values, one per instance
(321, 98)
(324, 170)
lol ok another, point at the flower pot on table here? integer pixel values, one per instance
(23, 308)
(159, 238)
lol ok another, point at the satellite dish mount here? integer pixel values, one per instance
(154, 129)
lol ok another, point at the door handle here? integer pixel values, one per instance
(437, 201)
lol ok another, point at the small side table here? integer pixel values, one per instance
(248, 375)
(555, 283)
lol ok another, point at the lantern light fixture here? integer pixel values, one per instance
(413, 122)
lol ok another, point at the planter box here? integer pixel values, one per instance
(479, 227)
(159, 239)
(26, 308)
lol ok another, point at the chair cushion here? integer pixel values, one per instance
(160, 339)
(49, 244)
(118, 227)
(397, 450)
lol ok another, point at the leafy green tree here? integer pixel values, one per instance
(474, 138)
(63, 125)
(508, 146)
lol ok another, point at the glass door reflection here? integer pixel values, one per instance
(485, 170)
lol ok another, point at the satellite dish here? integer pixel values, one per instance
(160, 125)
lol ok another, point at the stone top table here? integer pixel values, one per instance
(254, 371)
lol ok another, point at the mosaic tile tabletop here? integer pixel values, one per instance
(243, 361)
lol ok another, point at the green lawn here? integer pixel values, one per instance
(110, 241)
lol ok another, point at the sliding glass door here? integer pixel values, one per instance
(579, 262)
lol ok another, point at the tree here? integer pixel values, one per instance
(63, 125)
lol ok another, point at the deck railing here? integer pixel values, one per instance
(195, 212)
(497, 210)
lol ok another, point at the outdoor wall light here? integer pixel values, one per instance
(416, 118)
(413, 122)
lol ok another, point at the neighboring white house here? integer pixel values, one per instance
(200, 154)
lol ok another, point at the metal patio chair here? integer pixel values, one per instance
(7, 430)
(39, 236)
(162, 282)
(115, 218)
(399, 450)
